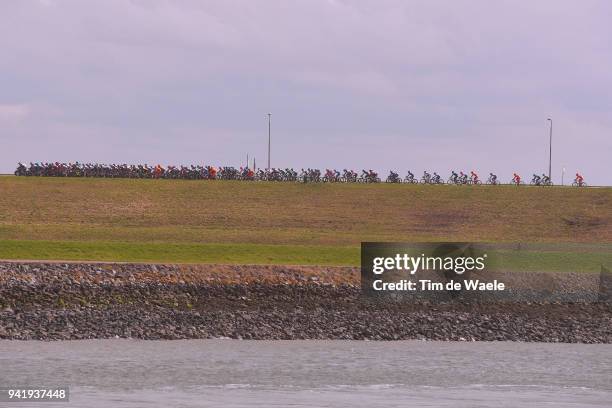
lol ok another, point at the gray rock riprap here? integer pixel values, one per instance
(84, 301)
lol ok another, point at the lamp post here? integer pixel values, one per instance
(550, 150)
(269, 121)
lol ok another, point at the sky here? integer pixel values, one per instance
(406, 85)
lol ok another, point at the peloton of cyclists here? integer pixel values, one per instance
(77, 169)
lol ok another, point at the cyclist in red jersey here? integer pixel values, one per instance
(579, 179)
(474, 177)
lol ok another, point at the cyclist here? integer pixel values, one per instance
(372, 176)
(158, 171)
(579, 179)
(492, 178)
(516, 179)
(536, 180)
(474, 177)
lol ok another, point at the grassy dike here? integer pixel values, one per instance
(288, 223)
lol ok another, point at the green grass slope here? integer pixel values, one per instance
(243, 222)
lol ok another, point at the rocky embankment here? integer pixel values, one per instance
(53, 301)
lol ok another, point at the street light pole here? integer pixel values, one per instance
(269, 120)
(550, 150)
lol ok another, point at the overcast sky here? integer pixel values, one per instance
(435, 85)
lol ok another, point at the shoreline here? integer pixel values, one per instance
(70, 301)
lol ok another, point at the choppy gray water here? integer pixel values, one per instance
(230, 373)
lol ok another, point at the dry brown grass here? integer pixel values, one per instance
(289, 213)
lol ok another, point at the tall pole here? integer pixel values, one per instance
(550, 150)
(269, 120)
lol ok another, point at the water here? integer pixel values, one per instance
(231, 373)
